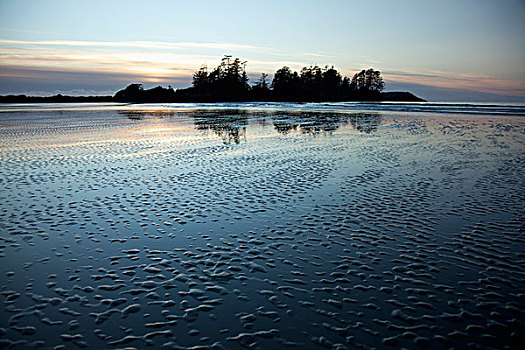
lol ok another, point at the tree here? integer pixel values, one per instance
(261, 90)
(262, 83)
(346, 87)
(331, 83)
(368, 81)
(228, 80)
(282, 78)
(244, 76)
(132, 92)
(285, 83)
(134, 88)
(200, 78)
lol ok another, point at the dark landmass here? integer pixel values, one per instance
(187, 95)
(400, 96)
(229, 83)
(54, 99)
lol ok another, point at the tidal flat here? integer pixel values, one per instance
(259, 226)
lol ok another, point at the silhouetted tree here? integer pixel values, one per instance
(132, 92)
(310, 78)
(136, 93)
(200, 78)
(331, 83)
(260, 90)
(368, 81)
(346, 87)
(244, 76)
(262, 83)
(227, 81)
(285, 84)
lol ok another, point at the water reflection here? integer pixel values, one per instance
(140, 115)
(230, 125)
(365, 122)
(312, 123)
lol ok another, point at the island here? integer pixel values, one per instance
(228, 82)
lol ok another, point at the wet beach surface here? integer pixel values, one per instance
(282, 227)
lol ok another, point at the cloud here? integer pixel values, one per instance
(148, 61)
(433, 93)
(460, 81)
(79, 62)
(37, 82)
(146, 64)
(132, 44)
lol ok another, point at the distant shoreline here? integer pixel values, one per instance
(394, 96)
(228, 82)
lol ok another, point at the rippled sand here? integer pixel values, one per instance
(222, 228)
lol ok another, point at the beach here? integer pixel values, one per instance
(260, 225)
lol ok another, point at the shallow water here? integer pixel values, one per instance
(261, 225)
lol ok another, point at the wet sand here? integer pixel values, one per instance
(136, 227)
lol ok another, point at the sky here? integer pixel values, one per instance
(447, 50)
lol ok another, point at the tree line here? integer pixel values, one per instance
(229, 81)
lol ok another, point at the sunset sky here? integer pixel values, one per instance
(449, 50)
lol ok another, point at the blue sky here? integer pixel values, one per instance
(441, 50)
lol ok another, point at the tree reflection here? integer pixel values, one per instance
(365, 122)
(228, 125)
(141, 114)
(315, 123)
(284, 126)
